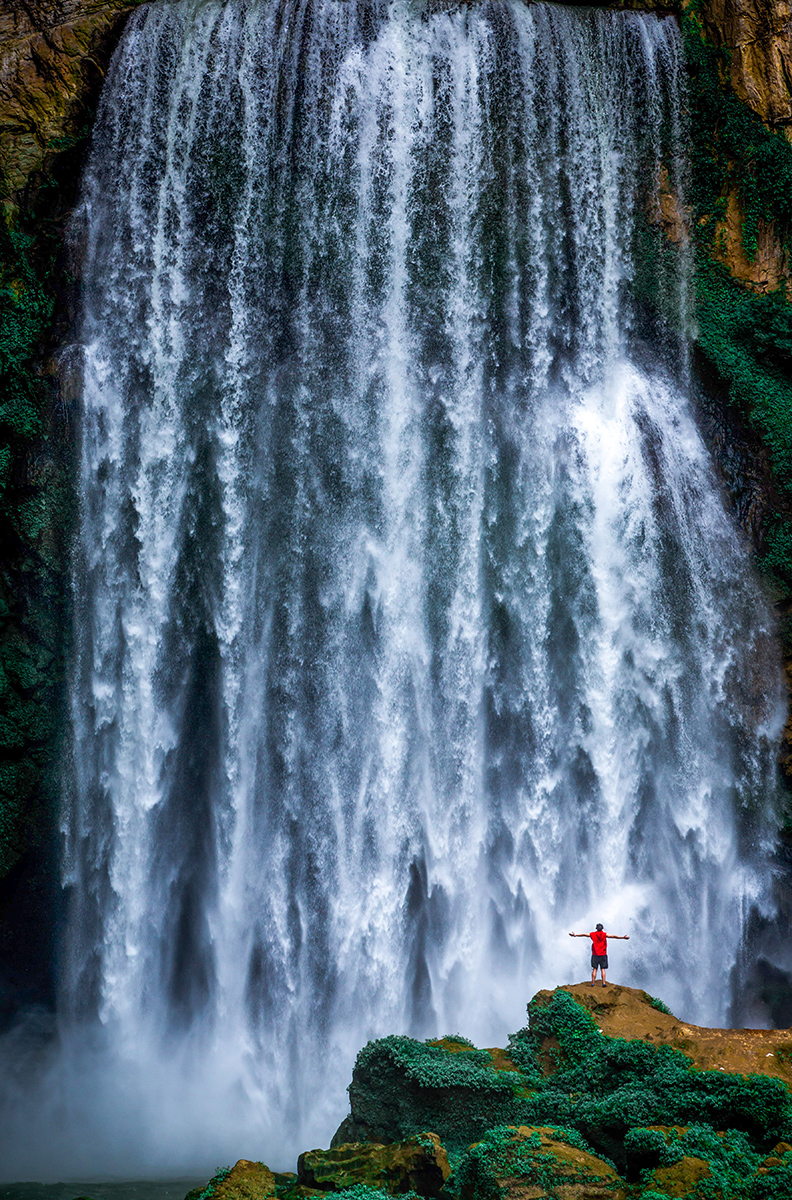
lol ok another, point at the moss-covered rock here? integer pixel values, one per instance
(401, 1086)
(632, 1014)
(246, 1180)
(419, 1164)
(525, 1163)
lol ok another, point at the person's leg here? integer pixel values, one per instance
(593, 975)
(602, 973)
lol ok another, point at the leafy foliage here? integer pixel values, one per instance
(401, 1084)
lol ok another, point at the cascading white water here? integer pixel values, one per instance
(411, 630)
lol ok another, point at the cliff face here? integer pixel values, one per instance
(754, 38)
(758, 37)
(52, 58)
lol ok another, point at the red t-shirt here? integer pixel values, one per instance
(599, 941)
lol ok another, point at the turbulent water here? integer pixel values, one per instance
(411, 632)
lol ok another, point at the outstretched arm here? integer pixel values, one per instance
(578, 935)
(619, 937)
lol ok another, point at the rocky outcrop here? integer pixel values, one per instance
(765, 270)
(623, 1012)
(758, 37)
(53, 54)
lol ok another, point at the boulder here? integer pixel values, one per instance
(419, 1164)
(530, 1163)
(245, 1181)
(401, 1086)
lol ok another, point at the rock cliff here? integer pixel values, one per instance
(53, 54)
(758, 37)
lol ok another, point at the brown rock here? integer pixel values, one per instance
(52, 58)
(245, 1181)
(666, 210)
(419, 1164)
(628, 1013)
(758, 36)
(539, 1164)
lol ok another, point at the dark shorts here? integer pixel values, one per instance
(599, 960)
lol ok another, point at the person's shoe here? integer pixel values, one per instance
(603, 983)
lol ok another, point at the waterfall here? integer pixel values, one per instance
(411, 629)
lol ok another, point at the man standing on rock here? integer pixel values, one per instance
(599, 950)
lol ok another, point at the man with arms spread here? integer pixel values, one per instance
(599, 950)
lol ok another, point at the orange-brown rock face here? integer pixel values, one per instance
(52, 56)
(758, 36)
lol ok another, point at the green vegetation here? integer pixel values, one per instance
(210, 1190)
(35, 512)
(30, 584)
(502, 1153)
(401, 1087)
(658, 1004)
(730, 146)
(361, 1191)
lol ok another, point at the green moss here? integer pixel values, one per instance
(747, 338)
(533, 1159)
(401, 1087)
(775, 1183)
(361, 1191)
